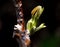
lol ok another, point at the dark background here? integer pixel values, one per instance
(50, 16)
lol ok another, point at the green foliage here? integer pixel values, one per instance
(32, 23)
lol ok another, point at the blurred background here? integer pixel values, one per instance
(47, 37)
